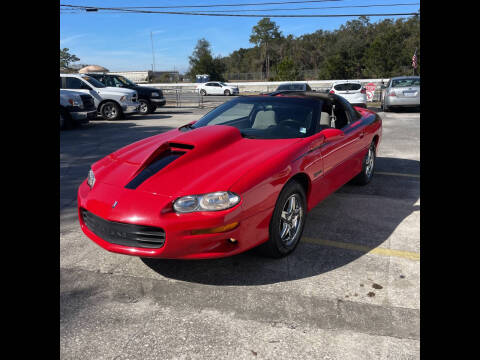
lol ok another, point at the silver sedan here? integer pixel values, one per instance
(401, 91)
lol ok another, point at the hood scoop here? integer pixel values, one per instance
(164, 155)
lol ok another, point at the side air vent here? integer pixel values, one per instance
(155, 166)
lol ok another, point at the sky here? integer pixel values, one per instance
(122, 41)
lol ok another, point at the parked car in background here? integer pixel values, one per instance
(217, 88)
(352, 91)
(294, 87)
(76, 108)
(244, 175)
(401, 91)
(149, 98)
(111, 102)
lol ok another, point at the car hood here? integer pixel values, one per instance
(212, 159)
(147, 88)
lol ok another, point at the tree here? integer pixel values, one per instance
(66, 58)
(287, 71)
(263, 35)
(202, 62)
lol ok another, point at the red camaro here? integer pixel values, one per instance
(244, 175)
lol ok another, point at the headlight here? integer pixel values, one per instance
(155, 94)
(123, 98)
(75, 102)
(91, 178)
(220, 200)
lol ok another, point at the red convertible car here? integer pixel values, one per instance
(242, 176)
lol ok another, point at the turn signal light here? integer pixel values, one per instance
(216, 230)
(332, 92)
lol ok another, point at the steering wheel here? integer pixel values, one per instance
(291, 123)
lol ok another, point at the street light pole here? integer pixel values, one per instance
(153, 54)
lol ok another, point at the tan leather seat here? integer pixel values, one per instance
(324, 120)
(264, 119)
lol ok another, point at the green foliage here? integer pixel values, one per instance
(66, 58)
(202, 62)
(287, 71)
(358, 49)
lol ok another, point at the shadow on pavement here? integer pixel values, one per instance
(360, 215)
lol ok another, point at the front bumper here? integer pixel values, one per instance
(141, 208)
(130, 109)
(83, 117)
(158, 102)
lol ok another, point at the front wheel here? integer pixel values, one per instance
(287, 223)
(145, 107)
(368, 166)
(110, 111)
(227, 92)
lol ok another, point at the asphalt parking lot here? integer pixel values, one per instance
(351, 290)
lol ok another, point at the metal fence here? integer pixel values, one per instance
(183, 97)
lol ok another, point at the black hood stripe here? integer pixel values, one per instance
(158, 164)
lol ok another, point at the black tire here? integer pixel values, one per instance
(66, 119)
(364, 177)
(278, 246)
(110, 110)
(145, 107)
(226, 92)
(203, 92)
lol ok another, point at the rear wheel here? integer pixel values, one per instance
(368, 166)
(110, 111)
(203, 92)
(287, 223)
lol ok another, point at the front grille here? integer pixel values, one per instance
(124, 234)
(88, 102)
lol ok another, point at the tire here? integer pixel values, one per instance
(203, 92)
(368, 166)
(110, 111)
(226, 92)
(287, 213)
(145, 107)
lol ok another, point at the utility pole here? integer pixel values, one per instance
(153, 54)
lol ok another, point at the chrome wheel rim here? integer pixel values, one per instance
(109, 111)
(143, 107)
(369, 162)
(291, 220)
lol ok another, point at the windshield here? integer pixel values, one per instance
(93, 82)
(406, 82)
(125, 81)
(291, 87)
(223, 84)
(266, 117)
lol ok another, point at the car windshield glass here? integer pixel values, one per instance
(266, 117)
(125, 81)
(93, 82)
(291, 87)
(347, 87)
(223, 84)
(406, 82)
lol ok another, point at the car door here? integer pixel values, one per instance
(77, 84)
(341, 147)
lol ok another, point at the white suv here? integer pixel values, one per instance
(352, 91)
(216, 88)
(111, 102)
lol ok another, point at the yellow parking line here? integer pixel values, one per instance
(397, 174)
(365, 249)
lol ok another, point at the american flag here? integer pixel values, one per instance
(414, 60)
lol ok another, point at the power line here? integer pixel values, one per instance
(235, 15)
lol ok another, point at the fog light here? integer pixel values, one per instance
(216, 230)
